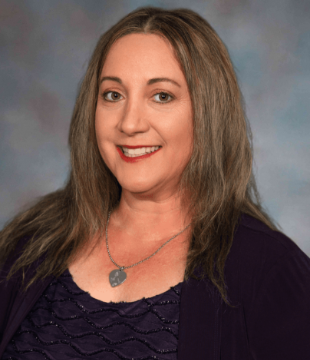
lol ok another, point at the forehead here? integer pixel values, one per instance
(147, 54)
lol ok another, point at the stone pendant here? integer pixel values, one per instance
(117, 277)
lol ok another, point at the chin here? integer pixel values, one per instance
(143, 191)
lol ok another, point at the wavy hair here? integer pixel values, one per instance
(218, 175)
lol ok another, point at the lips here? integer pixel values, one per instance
(136, 158)
(135, 151)
(136, 146)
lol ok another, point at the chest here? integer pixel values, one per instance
(149, 278)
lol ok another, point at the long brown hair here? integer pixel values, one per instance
(219, 174)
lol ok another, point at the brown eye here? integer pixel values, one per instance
(114, 96)
(163, 97)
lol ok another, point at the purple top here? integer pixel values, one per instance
(267, 278)
(67, 323)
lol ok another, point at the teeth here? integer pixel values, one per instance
(139, 151)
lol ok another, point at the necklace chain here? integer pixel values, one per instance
(128, 267)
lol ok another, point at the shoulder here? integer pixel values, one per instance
(258, 254)
(255, 241)
(269, 275)
(14, 255)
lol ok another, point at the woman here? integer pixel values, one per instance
(157, 247)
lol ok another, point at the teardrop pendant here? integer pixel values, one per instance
(117, 277)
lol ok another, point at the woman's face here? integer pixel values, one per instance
(134, 110)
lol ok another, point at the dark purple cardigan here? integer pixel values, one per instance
(268, 280)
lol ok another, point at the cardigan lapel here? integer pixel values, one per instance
(23, 303)
(200, 321)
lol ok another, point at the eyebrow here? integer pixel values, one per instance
(150, 82)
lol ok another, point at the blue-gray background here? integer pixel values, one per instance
(45, 48)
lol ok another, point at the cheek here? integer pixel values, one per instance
(100, 128)
(100, 137)
(186, 130)
(186, 143)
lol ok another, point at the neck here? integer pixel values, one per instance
(150, 220)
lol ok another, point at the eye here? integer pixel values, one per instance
(115, 96)
(163, 96)
(113, 93)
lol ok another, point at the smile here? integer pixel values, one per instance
(139, 151)
(133, 155)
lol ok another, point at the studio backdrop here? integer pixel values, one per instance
(44, 50)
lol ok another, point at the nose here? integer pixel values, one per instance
(134, 117)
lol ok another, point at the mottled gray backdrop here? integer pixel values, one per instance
(45, 48)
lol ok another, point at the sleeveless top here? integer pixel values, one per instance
(67, 323)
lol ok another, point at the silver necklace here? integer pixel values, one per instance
(118, 276)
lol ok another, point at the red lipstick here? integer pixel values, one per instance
(137, 158)
(137, 146)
